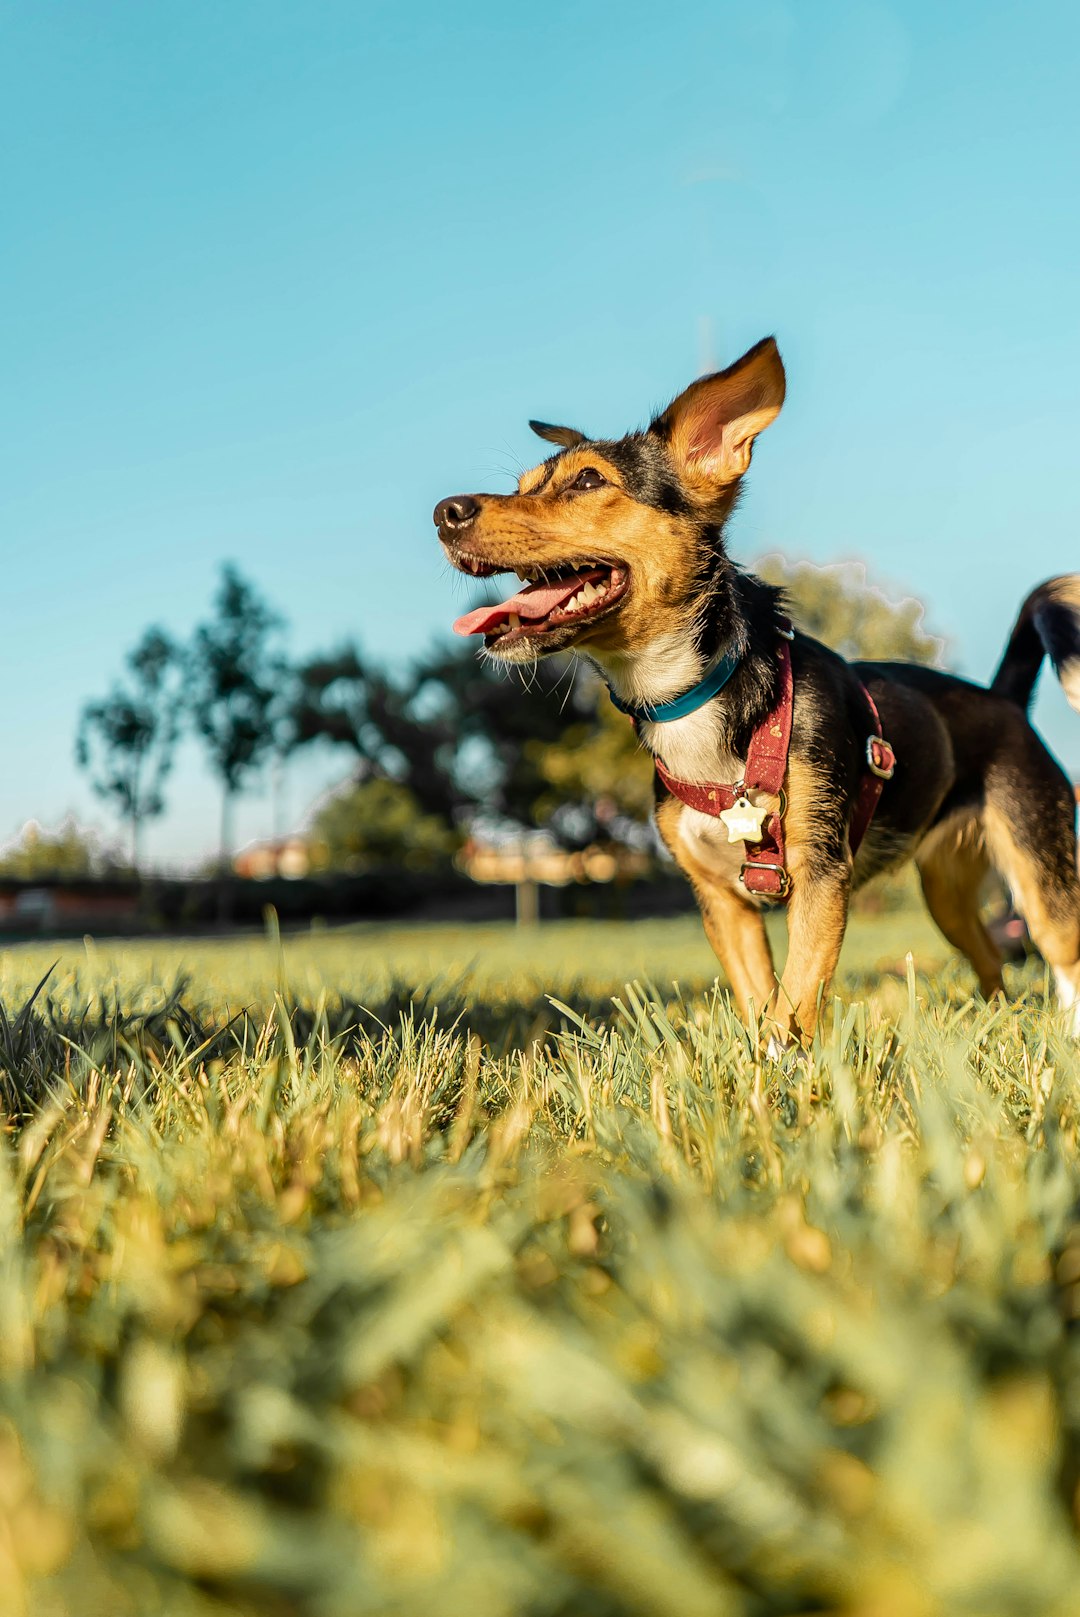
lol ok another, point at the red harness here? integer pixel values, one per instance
(764, 872)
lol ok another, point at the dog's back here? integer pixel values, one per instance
(1008, 803)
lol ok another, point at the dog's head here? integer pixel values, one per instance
(614, 541)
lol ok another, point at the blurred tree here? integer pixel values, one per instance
(460, 733)
(236, 683)
(343, 699)
(842, 607)
(67, 851)
(375, 825)
(501, 718)
(126, 741)
(596, 759)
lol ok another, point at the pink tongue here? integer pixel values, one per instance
(534, 602)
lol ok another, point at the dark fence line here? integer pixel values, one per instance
(61, 906)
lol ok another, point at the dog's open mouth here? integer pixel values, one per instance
(555, 599)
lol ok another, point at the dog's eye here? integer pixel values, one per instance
(589, 478)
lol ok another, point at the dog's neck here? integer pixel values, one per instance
(738, 617)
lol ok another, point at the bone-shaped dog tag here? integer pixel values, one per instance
(744, 821)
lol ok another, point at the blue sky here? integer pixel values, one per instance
(275, 277)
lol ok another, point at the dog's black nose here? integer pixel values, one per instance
(456, 513)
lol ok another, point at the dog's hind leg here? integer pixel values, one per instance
(953, 865)
(1030, 820)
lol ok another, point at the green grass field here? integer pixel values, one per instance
(486, 968)
(348, 1274)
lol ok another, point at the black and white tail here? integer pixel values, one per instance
(1048, 626)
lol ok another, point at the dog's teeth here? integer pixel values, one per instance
(515, 621)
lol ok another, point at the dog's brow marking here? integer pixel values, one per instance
(548, 473)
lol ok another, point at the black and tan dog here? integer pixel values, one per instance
(622, 551)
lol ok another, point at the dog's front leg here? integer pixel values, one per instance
(733, 923)
(817, 917)
(736, 930)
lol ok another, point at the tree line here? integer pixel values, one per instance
(449, 740)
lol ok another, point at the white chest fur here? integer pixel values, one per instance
(706, 841)
(692, 748)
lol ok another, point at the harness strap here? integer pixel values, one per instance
(881, 765)
(764, 872)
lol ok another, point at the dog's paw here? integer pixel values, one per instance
(1069, 1003)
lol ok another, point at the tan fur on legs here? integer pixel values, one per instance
(953, 865)
(817, 908)
(1046, 889)
(736, 930)
(733, 924)
(817, 916)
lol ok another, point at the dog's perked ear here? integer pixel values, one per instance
(565, 437)
(710, 429)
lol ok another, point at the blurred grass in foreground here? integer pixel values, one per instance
(591, 1315)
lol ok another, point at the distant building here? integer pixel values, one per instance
(282, 856)
(534, 857)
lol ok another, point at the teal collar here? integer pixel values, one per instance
(688, 702)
